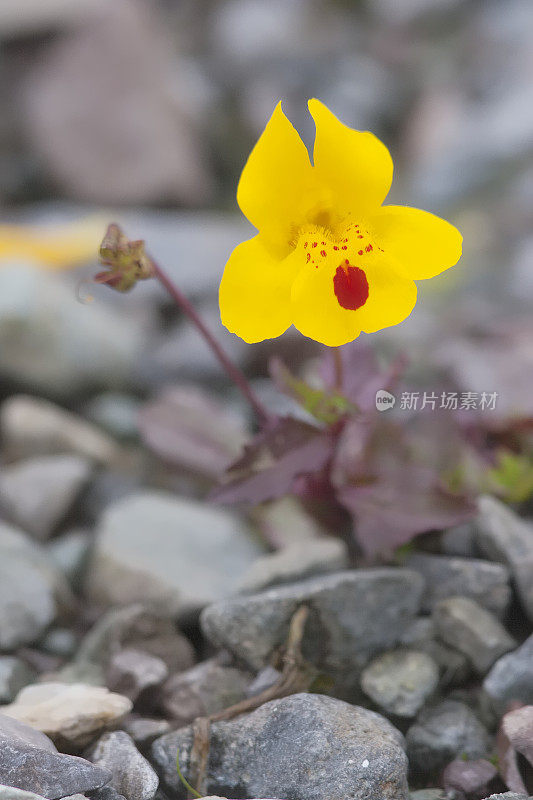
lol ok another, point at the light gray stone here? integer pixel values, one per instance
(472, 630)
(511, 678)
(505, 537)
(354, 615)
(70, 714)
(132, 775)
(443, 733)
(31, 590)
(206, 688)
(449, 576)
(172, 553)
(144, 730)
(70, 553)
(37, 493)
(132, 671)
(14, 675)
(400, 681)
(31, 426)
(30, 762)
(11, 793)
(295, 562)
(305, 746)
(62, 345)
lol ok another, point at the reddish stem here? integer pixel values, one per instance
(236, 375)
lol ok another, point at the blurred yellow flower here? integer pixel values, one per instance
(53, 246)
(329, 257)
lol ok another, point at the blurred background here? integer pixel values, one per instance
(144, 111)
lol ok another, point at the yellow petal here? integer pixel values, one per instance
(424, 245)
(276, 186)
(255, 292)
(53, 247)
(317, 313)
(355, 165)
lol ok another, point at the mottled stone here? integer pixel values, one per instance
(354, 615)
(132, 775)
(505, 537)
(472, 630)
(447, 576)
(132, 671)
(306, 747)
(206, 688)
(443, 733)
(511, 678)
(400, 681)
(14, 675)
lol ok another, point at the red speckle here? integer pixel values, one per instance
(359, 235)
(345, 240)
(359, 252)
(315, 244)
(351, 287)
(344, 247)
(346, 261)
(308, 257)
(322, 243)
(323, 253)
(305, 244)
(335, 247)
(369, 248)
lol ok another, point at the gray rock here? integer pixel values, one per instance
(355, 614)
(131, 671)
(31, 426)
(31, 590)
(14, 674)
(472, 630)
(508, 796)
(10, 793)
(305, 747)
(428, 794)
(264, 679)
(144, 730)
(400, 681)
(116, 413)
(62, 345)
(132, 775)
(460, 541)
(138, 628)
(443, 733)
(60, 642)
(70, 714)
(295, 562)
(447, 576)
(511, 678)
(29, 761)
(206, 688)
(107, 793)
(70, 553)
(174, 554)
(503, 536)
(37, 493)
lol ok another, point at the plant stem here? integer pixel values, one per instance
(236, 375)
(338, 369)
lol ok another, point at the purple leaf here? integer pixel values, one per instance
(472, 780)
(189, 430)
(515, 736)
(274, 460)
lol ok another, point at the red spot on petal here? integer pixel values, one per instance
(359, 235)
(323, 253)
(315, 244)
(351, 287)
(335, 247)
(369, 248)
(359, 252)
(344, 247)
(322, 243)
(305, 244)
(308, 257)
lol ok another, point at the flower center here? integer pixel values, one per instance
(350, 286)
(345, 249)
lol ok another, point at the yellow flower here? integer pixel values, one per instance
(52, 247)
(329, 257)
